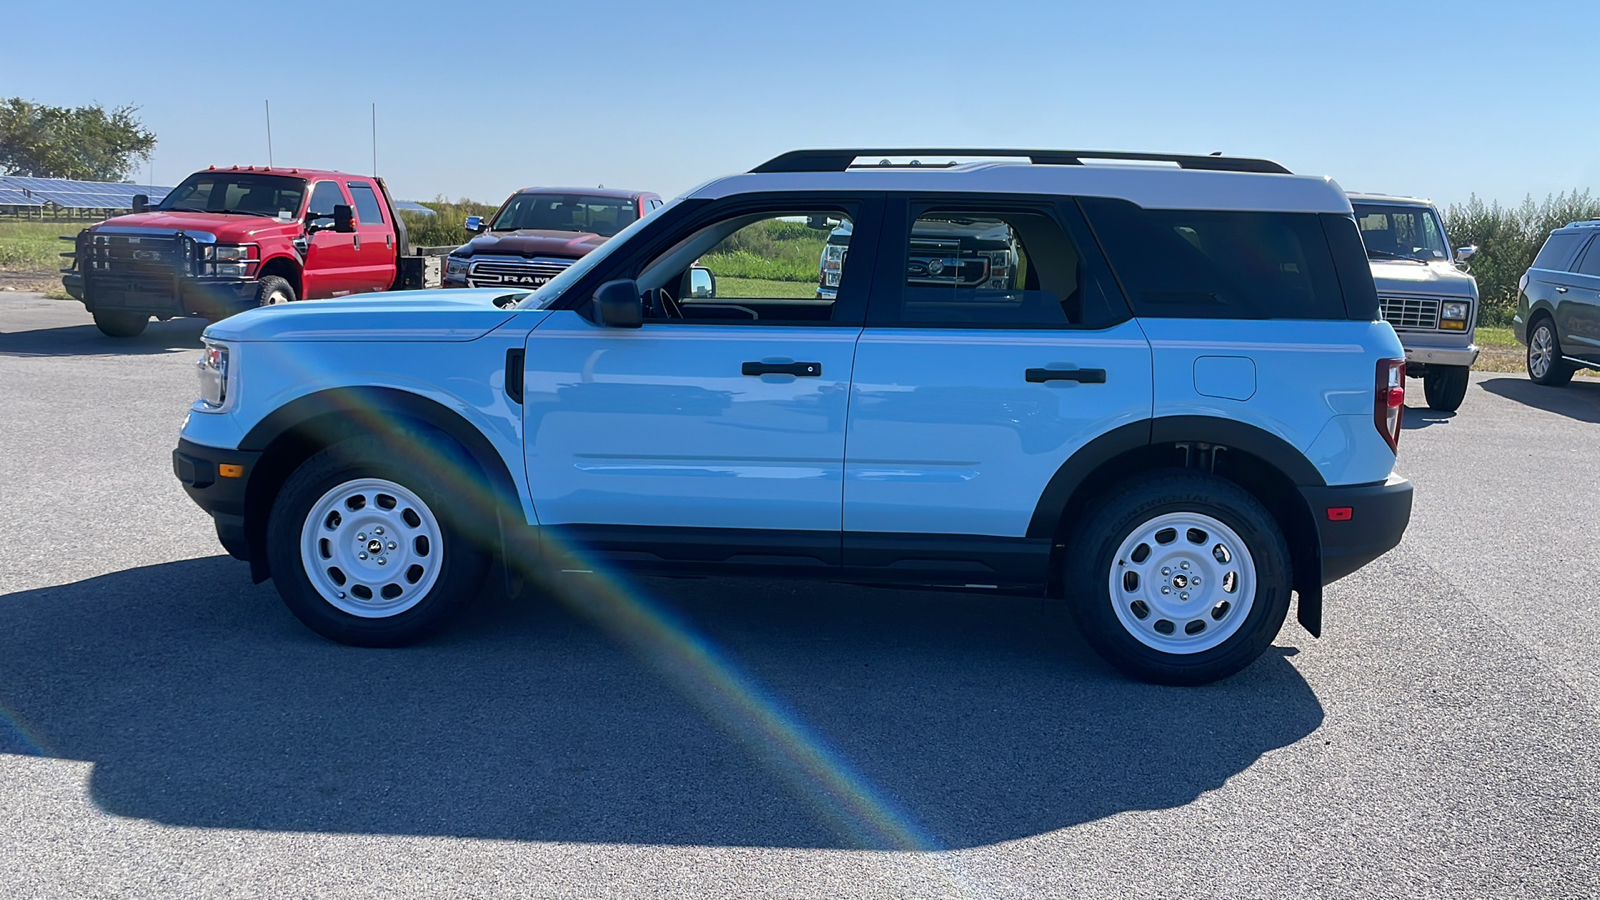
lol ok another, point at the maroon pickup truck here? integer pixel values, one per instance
(538, 232)
(230, 239)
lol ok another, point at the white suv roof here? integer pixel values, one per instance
(1186, 182)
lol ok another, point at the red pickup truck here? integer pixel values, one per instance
(230, 239)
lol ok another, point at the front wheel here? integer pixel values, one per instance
(1445, 387)
(1545, 365)
(364, 551)
(120, 324)
(1179, 578)
(274, 291)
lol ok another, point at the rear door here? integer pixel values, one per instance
(1578, 309)
(374, 244)
(333, 264)
(993, 351)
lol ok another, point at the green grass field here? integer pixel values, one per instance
(753, 288)
(35, 246)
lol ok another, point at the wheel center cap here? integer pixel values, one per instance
(1180, 581)
(374, 546)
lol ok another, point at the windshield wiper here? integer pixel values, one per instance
(245, 212)
(178, 209)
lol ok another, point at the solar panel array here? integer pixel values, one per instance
(19, 191)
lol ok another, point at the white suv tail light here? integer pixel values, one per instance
(1389, 400)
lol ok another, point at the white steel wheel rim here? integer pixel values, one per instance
(276, 298)
(1541, 352)
(1182, 583)
(371, 548)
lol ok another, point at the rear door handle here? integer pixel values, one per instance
(1082, 376)
(799, 369)
(1561, 290)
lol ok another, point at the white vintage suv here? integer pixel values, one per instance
(1174, 407)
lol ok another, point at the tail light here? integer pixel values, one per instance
(1389, 400)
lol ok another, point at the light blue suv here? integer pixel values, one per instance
(1176, 408)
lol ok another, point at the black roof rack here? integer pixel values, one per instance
(840, 160)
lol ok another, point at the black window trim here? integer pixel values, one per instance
(849, 310)
(889, 287)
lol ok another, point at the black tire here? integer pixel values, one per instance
(1114, 518)
(120, 324)
(272, 290)
(1445, 387)
(1558, 373)
(460, 562)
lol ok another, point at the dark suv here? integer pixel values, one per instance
(1558, 305)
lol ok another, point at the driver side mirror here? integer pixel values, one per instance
(140, 203)
(475, 224)
(344, 219)
(702, 284)
(617, 304)
(1465, 253)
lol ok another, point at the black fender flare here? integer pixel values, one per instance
(330, 415)
(1073, 475)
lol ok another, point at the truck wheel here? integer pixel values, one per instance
(273, 291)
(1179, 578)
(1544, 356)
(1445, 387)
(120, 324)
(363, 547)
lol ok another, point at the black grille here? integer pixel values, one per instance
(1410, 312)
(127, 268)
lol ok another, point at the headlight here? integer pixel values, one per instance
(833, 263)
(231, 270)
(213, 369)
(1455, 309)
(233, 252)
(455, 265)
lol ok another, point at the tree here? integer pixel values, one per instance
(86, 143)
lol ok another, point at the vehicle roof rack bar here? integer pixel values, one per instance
(840, 160)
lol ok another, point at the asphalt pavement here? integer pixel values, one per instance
(168, 729)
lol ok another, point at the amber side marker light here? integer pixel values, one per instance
(231, 470)
(1340, 513)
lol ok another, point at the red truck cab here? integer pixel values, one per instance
(230, 239)
(538, 232)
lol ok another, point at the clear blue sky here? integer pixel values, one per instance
(478, 98)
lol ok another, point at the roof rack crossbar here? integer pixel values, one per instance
(840, 160)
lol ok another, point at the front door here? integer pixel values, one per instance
(332, 260)
(997, 354)
(715, 432)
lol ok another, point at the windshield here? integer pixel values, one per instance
(604, 216)
(250, 193)
(1401, 232)
(550, 290)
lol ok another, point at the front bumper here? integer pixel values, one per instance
(218, 491)
(214, 298)
(1441, 356)
(1357, 524)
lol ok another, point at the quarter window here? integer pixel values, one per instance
(1206, 264)
(368, 210)
(1591, 260)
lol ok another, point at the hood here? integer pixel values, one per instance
(532, 242)
(1404, 276)
(443, 315)
(228, 227)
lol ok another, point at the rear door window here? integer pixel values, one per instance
(1590, 264)
(368, 210)
(1209, 264)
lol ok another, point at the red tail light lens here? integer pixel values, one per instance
(1389, 400)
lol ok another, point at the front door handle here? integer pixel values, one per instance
(1082, 376)
(799, 369)
(1561, 290)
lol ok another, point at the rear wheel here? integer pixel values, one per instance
(1179, 578)
(363, 548)
(1544, 356)
(1445, 387)
(120, 324)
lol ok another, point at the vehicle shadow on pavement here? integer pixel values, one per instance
(86, 340)
(736, 713)
(1416, 417)
(1578, 400)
